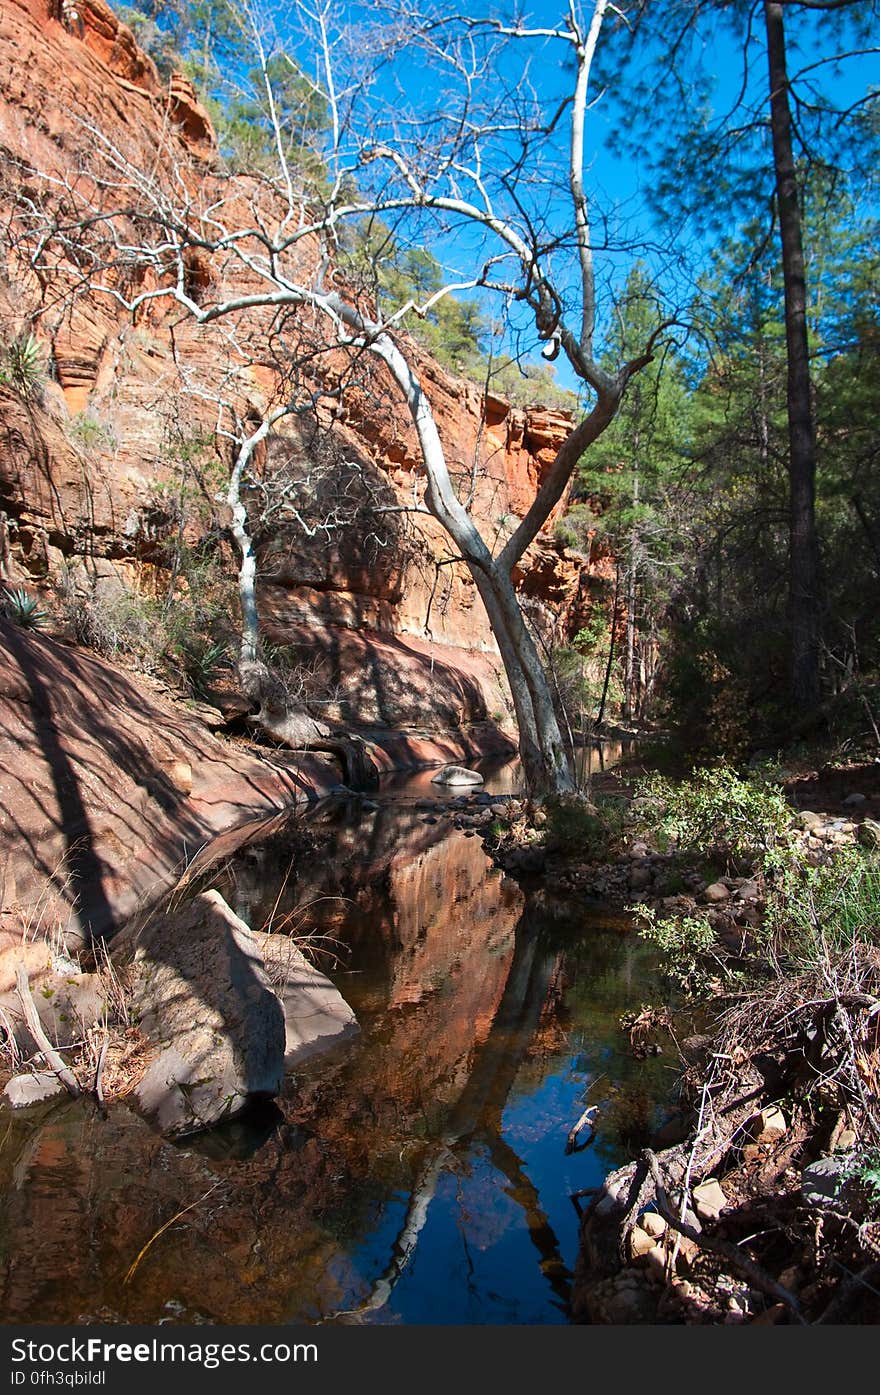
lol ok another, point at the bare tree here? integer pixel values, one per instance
(439, 126)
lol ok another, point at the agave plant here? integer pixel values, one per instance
(23, 365)
(19, 605)
(202, 665)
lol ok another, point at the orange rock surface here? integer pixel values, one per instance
(88, 466)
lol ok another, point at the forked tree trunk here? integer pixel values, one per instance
(546, 764)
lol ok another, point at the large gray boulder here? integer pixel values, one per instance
(316, 1016)
(201, 993)
(831, 1182)
(456, 775)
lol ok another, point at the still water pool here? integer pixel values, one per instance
(417, 1174)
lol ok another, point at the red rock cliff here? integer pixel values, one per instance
(89, 464)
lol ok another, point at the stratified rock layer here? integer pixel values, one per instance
(93, 822)
(90, 465)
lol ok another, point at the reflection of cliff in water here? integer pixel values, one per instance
(458, 992)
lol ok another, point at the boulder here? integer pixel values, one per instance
(709, 1200)
(201, 993)
(316, 1016)
(652, 1224)
(748, 891)
(716, 892)
(768, 1126)
(24, 1090)
(829, 1182)
(295, 728)
(456, 775)
(640, 1242)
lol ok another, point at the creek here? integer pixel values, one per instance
(416, 1174)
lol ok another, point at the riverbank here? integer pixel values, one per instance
(761, 1202)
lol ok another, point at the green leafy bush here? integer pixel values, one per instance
(815, 914)
(685, 944)
(866, 1169)
(571, 530)
(718, 814)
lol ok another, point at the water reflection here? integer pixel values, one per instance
(506, 777)
(419, 1173)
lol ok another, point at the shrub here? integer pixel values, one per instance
(718, 814)
(115, 623)
(591, 831)
(185, 635)
(866, 1170)
(685, 944)
(816, 914)
(570, 531)
(203, 660)
(90, 436)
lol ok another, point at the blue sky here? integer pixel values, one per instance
(615, 182)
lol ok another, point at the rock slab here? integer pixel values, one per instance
(203, 996)
(456, 775)
(24, 1090)
(316, 1016)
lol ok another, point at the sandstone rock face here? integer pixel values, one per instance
(89, 466)
(95, 817)
(68, 1001)
(203, 996)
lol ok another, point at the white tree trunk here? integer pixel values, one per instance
(247, 564)
(546, 763)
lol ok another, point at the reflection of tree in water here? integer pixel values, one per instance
(459, 1025)
(477, 1116)
(556, 979)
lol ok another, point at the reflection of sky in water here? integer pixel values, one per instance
(421, 1168)
(499, 1239)
(474, 1262)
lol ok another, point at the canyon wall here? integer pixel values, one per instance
(115, 456)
